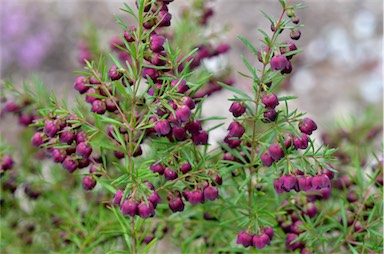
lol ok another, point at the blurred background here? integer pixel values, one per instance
(339, 72)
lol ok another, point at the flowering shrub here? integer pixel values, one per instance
(138, 144)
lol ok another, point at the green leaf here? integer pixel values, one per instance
(248, 44)
(235, 90)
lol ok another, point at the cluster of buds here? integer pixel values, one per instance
(6, 163)
(276, 152)
(23, 110)
(302, 182)
(63, 131)
(133, 205)
(292, 225)
(260, 240)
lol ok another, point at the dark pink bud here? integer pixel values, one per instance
(162, 127)
(81, 137)
(232, 142)
(70, 164)
(114, 73)
(98, 107)
(269, 231)
(58, 155)
(181, 85)
(310, 209)
(289, 182)
(159, 59)
(79, 84)
(179, 133)
(51, 128)
(193, 127)
(188, 101)
(6, 163)
(88, 95)
(295, 34)
(301, 143)
(277, 184)
(157, 42)
(218, 180)
(276, 151)
(236, 130)
(237, 109)
(145, 210)
(38, 139)
(289, 242)
(195, 197)
(155, 199)
(266, 159)
(118, 154)
(110, 104)
(89, 183)
(222, 48)
(176, 203)
(259, 241)
(150, 186)
(12, 107)
(25, 119)
(211, 193)
(279, 62)
(185, 168)
(170, 174)
(150, 72)
(157, 168)
(67, 136)
(183, 113)
(129, 34)
(201, 138)
(329, 173)
(130, 207)
(84, 150)
(305, 183)
(297, 227)
(269, 115)
(244, 239)
(307, 126)
(117, 197)
(165, 18)
(270, 100)
(287, 69)
(321, 182)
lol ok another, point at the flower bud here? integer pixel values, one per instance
(51, 128)
(236, 130)
(38, 139)
(129, 206)
(70, 164)
(179, 133)
(157, 42)
(259, 241)
(195, 197)
(321, 182)
(276, 151)
(201, 138)
(237, 109)
(58, 155)
(79, 84)
(307, 126)
(244, 239)
(118, 197)
(211, 193)
(279, 62)
(114, 73)
(67, 136)
(84, 150)
(170, 174)
(145, 210)
(162, 127)
(89, 183)
(185, 168)
(183, 113)
(157, 168)
(270, 100)
(266, 159)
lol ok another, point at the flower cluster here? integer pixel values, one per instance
(259, 241)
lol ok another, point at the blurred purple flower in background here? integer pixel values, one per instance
(25, 38)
